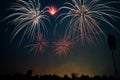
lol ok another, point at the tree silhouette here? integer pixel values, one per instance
(28, 75)
(112, 46)
(74, 76)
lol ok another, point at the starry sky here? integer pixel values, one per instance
(88, 59)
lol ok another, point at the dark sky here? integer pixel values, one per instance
(88, 59)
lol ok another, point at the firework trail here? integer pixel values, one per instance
(29, 18)
(85, 17)
(62, 47)
(40, 44)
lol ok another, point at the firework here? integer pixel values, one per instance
(40, 44)
(52, 10)
(62, 47)
(29, 18)
(85, 17)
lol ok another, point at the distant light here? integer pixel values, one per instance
(52, 10)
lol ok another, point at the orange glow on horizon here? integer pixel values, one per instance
(52, 10)
(67, 68)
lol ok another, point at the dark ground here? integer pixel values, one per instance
(28, 76)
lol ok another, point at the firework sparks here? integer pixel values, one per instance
(63, 46)
(52, 10)
(28, 18)
(85, 16)
(40, 44)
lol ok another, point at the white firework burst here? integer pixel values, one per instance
(29, 18)
(85, 17)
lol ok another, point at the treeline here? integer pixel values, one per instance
(28, 76)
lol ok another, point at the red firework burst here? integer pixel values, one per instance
(62, 47)
(40, 44)
(52, 10)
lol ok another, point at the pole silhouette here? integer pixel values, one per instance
(112, 46)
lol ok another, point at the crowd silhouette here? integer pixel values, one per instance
(28, 76)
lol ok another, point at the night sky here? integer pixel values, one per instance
(88, 59)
